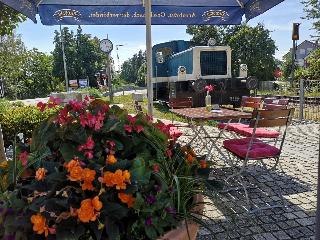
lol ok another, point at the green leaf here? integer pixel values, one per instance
(151, 232)
(70, 230)
(96, 231)
(139, 202)
(116, 210)
(68, 151)
(112, 229)
(138, 171)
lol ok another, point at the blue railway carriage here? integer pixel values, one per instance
(180, 71)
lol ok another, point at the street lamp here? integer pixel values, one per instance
(117, 49)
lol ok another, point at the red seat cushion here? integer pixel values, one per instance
(174, 132)
(258, 150)
(230, 126)
(246, 131)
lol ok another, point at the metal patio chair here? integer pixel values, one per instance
(253, 150)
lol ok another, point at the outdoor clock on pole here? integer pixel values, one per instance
(106, 45)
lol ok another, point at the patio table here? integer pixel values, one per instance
(197, 117)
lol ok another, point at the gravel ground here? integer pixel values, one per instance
(298, 183)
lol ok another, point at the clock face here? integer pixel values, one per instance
(106, 45)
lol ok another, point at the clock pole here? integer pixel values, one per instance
(109, 74)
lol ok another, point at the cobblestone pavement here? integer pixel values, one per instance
(231, 220)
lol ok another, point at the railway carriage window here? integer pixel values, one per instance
(164, 52)
(213, 63)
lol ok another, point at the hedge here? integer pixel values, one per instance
(16, 120)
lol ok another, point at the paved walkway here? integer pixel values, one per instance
(230, 220)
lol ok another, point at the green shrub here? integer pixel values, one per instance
(20, 120)
(92, 92)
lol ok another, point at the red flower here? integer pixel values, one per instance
(42, 106)
(156, 168)
(169, 153)
(138, 128)
(23, 157)
(131, 119)
(63, 116)
(128, 128)
(209, 88)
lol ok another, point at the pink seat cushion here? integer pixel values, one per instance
(246, 131)
(258, 150)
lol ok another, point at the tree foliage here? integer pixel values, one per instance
(312, 9)
(9, 20)
(83, 56)
(250, 45)
(26, 73)
(133, 70)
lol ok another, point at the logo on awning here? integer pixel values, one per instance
(67, 13)
(207, 15)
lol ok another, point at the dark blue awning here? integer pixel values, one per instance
(131, 12)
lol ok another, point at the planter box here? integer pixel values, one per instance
(137, 97)
(67, 96)
(181, 232)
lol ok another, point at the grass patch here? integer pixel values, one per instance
(159, 110)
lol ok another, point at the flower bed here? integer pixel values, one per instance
(94, 172)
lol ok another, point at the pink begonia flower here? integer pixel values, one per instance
(138, 128)
(128, 128)
(63, 116)
(88, 154)
(23, 157)
(209, 88)
(53, 102)
(89, 145)
(156, 168)
(111, 144)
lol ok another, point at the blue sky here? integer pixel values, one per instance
(279, 20)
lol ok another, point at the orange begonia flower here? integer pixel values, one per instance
(70, 165)
(97, 204)
(189, 158)
(126, 175)
(119, 180)
(111, 159)
(88, 176)
(89, 209)
(203, 164)
(107, 178)
(127, 198)
(76, 174)
(41, 174)
(86, 211)
(39, 224)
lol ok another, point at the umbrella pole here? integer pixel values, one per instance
(64, 60)
(147, 5)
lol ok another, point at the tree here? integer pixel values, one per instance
(250, 45)
(312, 9)
(12, 52)
(83, 55)
(131, 67)
(9, 20)
(27, 73)
(314, 64)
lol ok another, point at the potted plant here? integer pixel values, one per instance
(96, 172)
